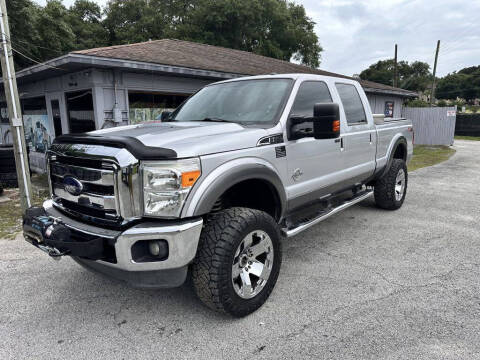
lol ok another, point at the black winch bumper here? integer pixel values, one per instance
(124, 255)
(52, 236)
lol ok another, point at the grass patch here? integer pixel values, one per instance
(427, 155)
(11, 212)
(475, 138)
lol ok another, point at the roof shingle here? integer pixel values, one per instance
(208, 57)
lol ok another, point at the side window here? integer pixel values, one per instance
(352, 104)
(310, 93)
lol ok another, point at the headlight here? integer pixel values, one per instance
(166, 185)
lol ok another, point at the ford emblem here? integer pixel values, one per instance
(72, 185)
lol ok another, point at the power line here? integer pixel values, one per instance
(37, 46)
(35, 61)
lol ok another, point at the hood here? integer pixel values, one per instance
(192, 138)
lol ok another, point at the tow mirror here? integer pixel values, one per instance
(326, 121)
(164, 115)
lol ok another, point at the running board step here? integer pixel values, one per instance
(304, 226)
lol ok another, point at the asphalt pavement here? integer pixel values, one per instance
(364, 284)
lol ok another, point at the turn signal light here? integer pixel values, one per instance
(189, 178)
(336, 126)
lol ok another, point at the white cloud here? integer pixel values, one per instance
(358, 33)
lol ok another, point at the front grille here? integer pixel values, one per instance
(95, 201)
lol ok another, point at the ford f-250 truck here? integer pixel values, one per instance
(212, 189)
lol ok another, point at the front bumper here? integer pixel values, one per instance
(182, 237)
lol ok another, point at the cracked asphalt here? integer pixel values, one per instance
(364, 284)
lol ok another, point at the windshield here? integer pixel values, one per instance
(245, 102)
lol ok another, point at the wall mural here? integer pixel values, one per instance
(38, 134)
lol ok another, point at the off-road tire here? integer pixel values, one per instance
(212, 267)
(384, 189)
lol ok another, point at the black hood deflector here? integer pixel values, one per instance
(135, 146)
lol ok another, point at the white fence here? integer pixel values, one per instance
(432, 126)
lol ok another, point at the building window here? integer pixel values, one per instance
(38, 132)
(149, 106)
(81, 117)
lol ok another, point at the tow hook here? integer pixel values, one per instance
(53, 252)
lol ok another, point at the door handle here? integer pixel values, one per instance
(340, 140)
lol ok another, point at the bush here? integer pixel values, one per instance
(417, 103)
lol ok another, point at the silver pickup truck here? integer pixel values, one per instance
(211, 190)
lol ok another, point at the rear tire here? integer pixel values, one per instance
(391, 189)
(235, 246)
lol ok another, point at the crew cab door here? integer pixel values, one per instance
(314, 166)
(359, 137)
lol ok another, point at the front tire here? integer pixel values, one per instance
(391, 189)
(238, 261)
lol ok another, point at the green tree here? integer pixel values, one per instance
(274, 28)
(134, 21)
(22, 15)
(54, 30)
(464, 84)
(415, 76)
(85, 19)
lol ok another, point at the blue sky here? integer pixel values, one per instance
(357, 33)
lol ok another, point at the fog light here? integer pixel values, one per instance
(154, 247)
(150, 250)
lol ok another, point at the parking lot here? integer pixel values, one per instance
(365, 284)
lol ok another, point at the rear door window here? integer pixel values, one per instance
(352, 104)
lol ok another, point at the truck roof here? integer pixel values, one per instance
(294, 76)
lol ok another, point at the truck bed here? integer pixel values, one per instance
(395, 127)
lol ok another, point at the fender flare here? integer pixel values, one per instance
(399, 141)
(228, 175)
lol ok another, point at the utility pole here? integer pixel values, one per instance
(14, 111)
(432, 95)
(395, 69)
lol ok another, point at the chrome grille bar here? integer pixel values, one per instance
(101, 202)
(89, 175)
